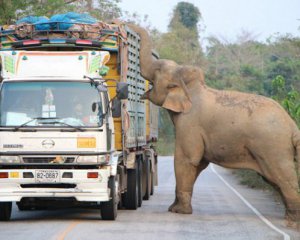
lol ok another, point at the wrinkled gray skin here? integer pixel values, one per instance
(228, 128)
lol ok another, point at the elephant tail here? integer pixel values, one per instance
(296, 143)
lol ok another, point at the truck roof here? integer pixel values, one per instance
(99, 35)
(52, 64)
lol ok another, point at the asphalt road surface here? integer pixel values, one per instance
(223, 209)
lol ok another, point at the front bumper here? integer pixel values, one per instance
(16, 186)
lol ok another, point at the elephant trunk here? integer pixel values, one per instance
(147, 61)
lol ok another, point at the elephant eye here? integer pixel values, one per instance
(172, 85)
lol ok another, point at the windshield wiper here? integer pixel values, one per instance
(55, 121)
(30, 121)
(65, 124)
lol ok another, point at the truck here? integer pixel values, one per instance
(73, 127)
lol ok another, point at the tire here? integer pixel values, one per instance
(147, 180)
(140, 181)
(151, 183)
(131, 196)
(5, 211)
(109, 209)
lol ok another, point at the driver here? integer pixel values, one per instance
(78, 110)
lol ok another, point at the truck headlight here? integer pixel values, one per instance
(93, 159)
(9, 159)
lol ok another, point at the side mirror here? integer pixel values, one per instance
(122, 90)
(116, 108)
(94, 106)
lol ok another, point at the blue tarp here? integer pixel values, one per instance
(58, 21)
(69, 18)
(39, 21)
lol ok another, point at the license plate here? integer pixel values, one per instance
(47, 176)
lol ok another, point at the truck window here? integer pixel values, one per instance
(67, 102)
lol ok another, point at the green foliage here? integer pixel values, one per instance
(238, 66)
(290, 100)
(181, 44)
(9, 10)
(278, 87)
(251, 66)
(252, 179)
(187, 14)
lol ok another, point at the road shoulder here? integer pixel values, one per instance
(264, 201)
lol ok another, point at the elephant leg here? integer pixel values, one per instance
(279, 168)
(176, 204)
(288, 184)
(189, 163)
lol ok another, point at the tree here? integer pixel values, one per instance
(187, 14)
(289, 99)
(238, 65)
(283, 59)
(8, 10)
(103, 10)
(181, 44)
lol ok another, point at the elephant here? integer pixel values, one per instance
(228, 128)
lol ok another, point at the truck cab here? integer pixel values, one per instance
(56, 130)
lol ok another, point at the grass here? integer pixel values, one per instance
(253, 180)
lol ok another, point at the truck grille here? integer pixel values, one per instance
(47, 160)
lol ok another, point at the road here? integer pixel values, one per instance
(219, 213)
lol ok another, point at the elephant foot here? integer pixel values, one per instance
(291, 224)
(182, 203)
(173, 204)
(179, 208)
(293, 218)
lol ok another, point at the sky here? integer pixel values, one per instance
(227, 18)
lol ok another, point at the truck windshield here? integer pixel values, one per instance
(38, 103)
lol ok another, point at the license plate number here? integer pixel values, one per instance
(47, 175)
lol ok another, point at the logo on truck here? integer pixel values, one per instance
(48, 143)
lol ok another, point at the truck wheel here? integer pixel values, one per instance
(140, 182)
(131, 196)
(147, 180)
(109, 209)
(151, 183)
(5, 211)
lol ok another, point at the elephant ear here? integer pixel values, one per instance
(177, 99)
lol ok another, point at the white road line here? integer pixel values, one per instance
(266, 221)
